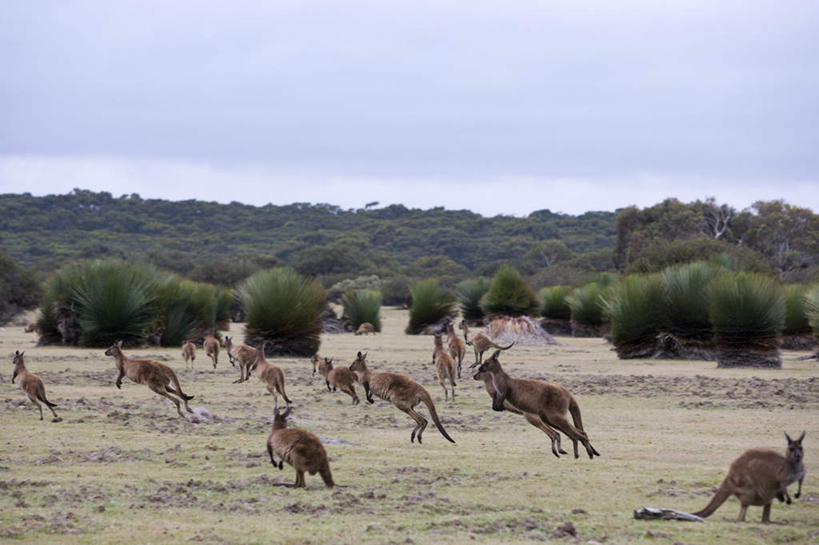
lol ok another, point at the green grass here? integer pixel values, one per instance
(553, 303)
(686, 300)
(362, 306)
(634, 307)
(746, 309)
(797, 321)
(509, 295)
(469, 293)
(586, 304)
(430, 304)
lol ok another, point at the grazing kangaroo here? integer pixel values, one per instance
(550, 402)
(244, 355)
(401, 391)
(365, 329)
(188, 352)
(157, 376)
(533, 419)
(211, 346)
(299, 448)
(758, 476)
(445, 366)
(31, 385)
(480, 343)
(340, 378)
(271, 375)
(457, 346)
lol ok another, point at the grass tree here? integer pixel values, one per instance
(586, 304)
(797, 334)
(747, 311)
(189, 309)
(555, 310)
(362, 306)
(431, 303)
(812, 309)
(285, 308)
(469, 293)
(634, 307)
(688, 332)
(509, 295)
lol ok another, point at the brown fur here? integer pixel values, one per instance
(188, 352)
(31, 385)
(299, 448)
(480, 343)
(336, 378)
(156, 375)
(758, 476)
(271, 375)
(243, 355)
(365, 329)
(445, 366)
(32, 328)
(551, 402)
(457, 346)
(401, 391)
(533, 419)
(211, 346)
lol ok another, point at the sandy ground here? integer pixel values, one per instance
(122, 468)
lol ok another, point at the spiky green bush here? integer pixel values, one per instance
(586, 305)
(362, 306)
(430, 303)
(285, 308)
(796, 310)
(686, 300)
(509, 295)
(189, 309)
(812, 308)
(634, 308)
(553, 304)
(469, 293)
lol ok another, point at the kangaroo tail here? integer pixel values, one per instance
(280, 388)
(179, 387)
(574, 409)
(270, 453)
(722, 494)
(503, 347)
(327, 476)
(428, 402)
(47, 402)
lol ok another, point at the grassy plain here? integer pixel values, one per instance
(121, 468)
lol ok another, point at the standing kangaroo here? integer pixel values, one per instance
(457, 346)
(157, 376)
(480, 343)
(211, 346)
(31, 385)
(445, 366)
(243, 354)
(299, 448)
(401, 391)
(550, 402)
(188, 352)
(758, 476)
(271, 375)
(340, 378)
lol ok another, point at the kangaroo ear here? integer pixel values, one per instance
(364, 357)
(287, 411)
(16, 352)
(329, 360)
(788, 438)
(800, 437)
(496, 354)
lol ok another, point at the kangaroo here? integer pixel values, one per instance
(340, 378)
(758, 476)
(188, 352)
(365, 329)
(299, 448)
(401, 391)
(550, 402)
(32, 328)
(271, 375)
(211, 346)
(445, 366)
(457, 346)
(244, 355)
(31, 385)
(533, 419)
(157, 376)
(480, 343)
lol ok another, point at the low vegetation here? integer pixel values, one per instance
(469, 293)
(509, 295)
(431, 303)
(634, 308)
(362, 306)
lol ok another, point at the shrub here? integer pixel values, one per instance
(586, 304)
(796, 310)
(686, 300)
(285, 308)
(337, 290)
(635, 310)
(812, 308)
(18, 288)
(395, 292)
(469, 293)
(430, 304)
(509, 295)
(189, 309)
(553, 304)
(362, 306)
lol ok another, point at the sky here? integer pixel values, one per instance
(498, 107)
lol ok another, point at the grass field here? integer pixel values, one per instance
(122, 468)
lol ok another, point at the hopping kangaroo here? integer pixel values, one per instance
(445, 366)
(533, 419)
(401, 391)
(457, 346)
(188, 352)
(271, 375)
(243, 354)
(758, 476)
(157, 376)
(340, 378)
(211, 346)
(299, 448)
(480, 343)
(550, 402)
(31, 385)
(365, 329)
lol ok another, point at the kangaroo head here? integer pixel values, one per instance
(115, 349)
(490, 365)
(360, 363)
(328, 362)
(480, 375)
(18, 357)
(438, 342)
(795, 452)
(462, 325)
(280, 418)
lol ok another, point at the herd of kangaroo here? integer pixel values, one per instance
(756, 478)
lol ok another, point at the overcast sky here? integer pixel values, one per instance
(499, 107)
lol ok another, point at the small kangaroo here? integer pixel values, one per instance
(299, 448)
(445, 366)
(533, 419)
(457, 346)
(365, 329)
(156, 375)
(243, 354)
(551, 402)
(401, 391)
(758, 476)
(271, 375)
(188, 352)
(31, 385)
(340, 378)
(211, 346)
(480, 343)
